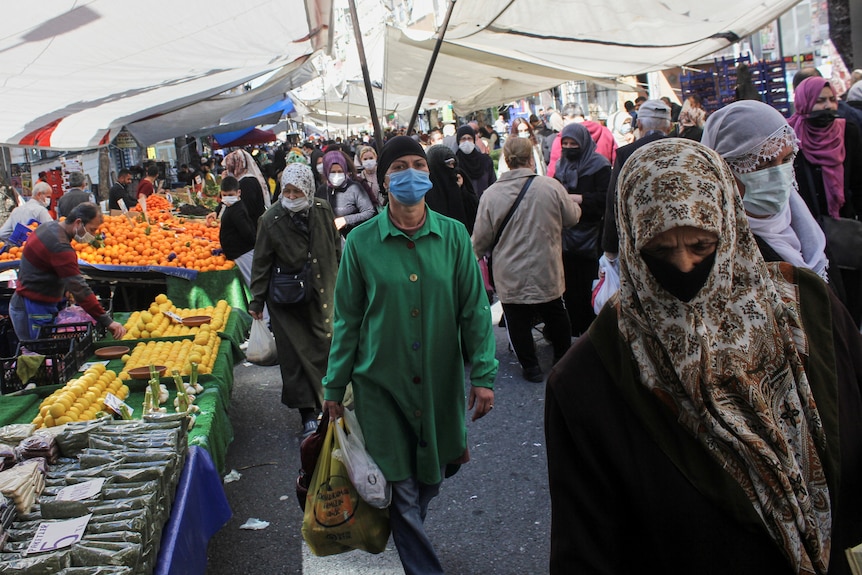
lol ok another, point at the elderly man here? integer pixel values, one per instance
(49, 268)
(36, 208)
(653, 124)
(74, 195)
(408, 293)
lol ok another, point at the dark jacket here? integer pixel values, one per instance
(611, 237)
(619, 503)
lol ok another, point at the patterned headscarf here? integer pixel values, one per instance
(726, 362)
(240, 164)
(299, 175)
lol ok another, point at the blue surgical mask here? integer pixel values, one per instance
(767, 191)
(409, 186)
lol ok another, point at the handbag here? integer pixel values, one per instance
(503, 226)
(583, 239)
(309, 452)
(291, 287)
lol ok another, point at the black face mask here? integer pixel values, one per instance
(572, 154)
(683, 285)
(821, 118)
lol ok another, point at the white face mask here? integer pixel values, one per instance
(229, 200)
(320, 168)
(46, 201)
(522, 134)
(369, 165)
(336, 180)
(295, 205)
(467, 147)
(84, 238)
(767, 191)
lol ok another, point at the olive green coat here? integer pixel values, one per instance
(303, 333)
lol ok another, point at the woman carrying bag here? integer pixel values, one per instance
(585, 173)
(297, 237)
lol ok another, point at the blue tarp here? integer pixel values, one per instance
(285, 106)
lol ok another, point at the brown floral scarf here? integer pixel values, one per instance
(727, 362)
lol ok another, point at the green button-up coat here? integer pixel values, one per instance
(402, 307)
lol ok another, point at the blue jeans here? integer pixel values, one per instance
(407, 512)
(29, 316)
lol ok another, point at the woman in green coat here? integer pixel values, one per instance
(294, 233)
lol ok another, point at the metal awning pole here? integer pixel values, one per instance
(366, 79)
(427, 79)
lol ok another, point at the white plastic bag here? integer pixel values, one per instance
(607, 285)
(261, 345)
(364, 473)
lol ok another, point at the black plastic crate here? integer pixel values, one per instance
(58, 368)
(82, 335)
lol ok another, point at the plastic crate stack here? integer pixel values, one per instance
(726, 71)
(63, 348)
(772, 85)
(702, 84)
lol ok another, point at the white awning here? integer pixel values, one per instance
(608, 38)
(470, 78)
(73, 73)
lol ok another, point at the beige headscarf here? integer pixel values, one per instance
(726, 362)
(240, 164)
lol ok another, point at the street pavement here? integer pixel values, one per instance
(492, 517)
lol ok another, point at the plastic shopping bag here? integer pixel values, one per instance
(607, 285)
(336, 519)
(363, 472)
(261, 345)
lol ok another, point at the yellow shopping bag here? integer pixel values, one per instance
(336, 519)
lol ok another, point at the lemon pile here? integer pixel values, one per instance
(201, 350)
(154, 323)
(80, 399)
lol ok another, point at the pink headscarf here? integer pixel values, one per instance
(823, 147)
(240, 164)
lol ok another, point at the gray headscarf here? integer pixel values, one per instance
(299, 175)
(855, 93)
(748, 132)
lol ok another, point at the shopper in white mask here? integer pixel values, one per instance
(759, 146)
(478, 166)
(36, 208)
(297, 236)
(366, 158)
(350, 202)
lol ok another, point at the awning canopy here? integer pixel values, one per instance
(72, 74)
(608, 38)
(470, 78)
(247, 138)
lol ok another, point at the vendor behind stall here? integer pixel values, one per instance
(49, 268)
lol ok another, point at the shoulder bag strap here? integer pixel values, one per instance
(511, 211)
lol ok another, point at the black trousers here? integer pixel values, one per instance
(520, 319)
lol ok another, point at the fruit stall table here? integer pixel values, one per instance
(212, 430)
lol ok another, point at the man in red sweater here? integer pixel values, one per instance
(145, 186)
(49, 268)
(606, 145)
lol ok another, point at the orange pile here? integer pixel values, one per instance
(174, 243)
(154, 204)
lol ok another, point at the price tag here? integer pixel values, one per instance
(174, 317)
(122, 203)
(116, 404)
(81, 491)
(90, 364)
(53, 536)
(143, 201)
